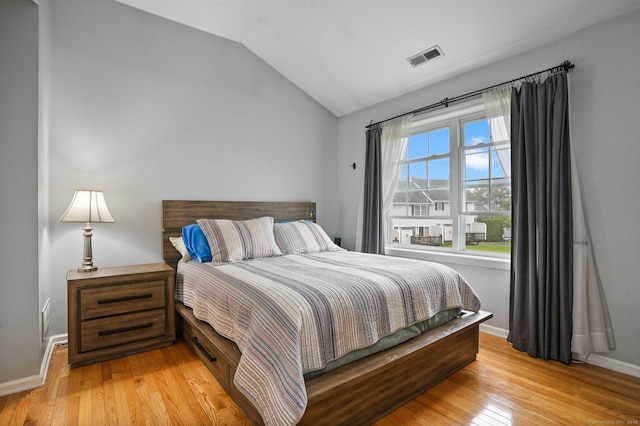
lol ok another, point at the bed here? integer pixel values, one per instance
(355, 393)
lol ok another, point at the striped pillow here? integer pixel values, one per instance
(302, 237)
(234, 240)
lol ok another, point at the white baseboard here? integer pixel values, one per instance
(494, 331)
(32, 382)
(614, 364)
(595, 359)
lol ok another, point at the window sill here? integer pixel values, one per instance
(456, 258)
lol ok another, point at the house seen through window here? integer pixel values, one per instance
(454, 191)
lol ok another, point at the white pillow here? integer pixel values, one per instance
(178, 243)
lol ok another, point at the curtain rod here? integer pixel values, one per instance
(566, 66)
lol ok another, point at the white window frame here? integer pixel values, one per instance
(452, 118)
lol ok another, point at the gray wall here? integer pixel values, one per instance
(44, 132)
(19, 333)
(604, 129)
(146, 109)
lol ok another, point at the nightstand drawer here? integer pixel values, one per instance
(113, 300)
(105, 332)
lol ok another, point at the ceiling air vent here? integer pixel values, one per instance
(428, 55)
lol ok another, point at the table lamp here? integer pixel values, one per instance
(87, 206)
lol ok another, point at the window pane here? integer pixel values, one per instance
(417, 198)
(500, 195)
(487, 196)
(417, 146)
(499, 131)
(418, 175)
(425, 193)
(439, 142)
(476, 196)
(439, 172)
(476, 132)
(489, 234)
(439, 201)
(501, 161)
(477, 164)
(403, 176)
(399, 207)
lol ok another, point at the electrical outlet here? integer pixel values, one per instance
(46, 318)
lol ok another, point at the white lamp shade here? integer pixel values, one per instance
(88, 206)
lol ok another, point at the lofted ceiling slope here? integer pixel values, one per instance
(351, 54)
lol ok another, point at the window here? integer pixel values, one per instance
(454, 191)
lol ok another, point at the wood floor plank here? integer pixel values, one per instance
(73, 402)
(148, 367)
(203, 389)
(61, 402)
(172, 396)
(84, 396)
(171, 386)
(34, 413)
(194, 391)
(201, 380)
(46, 412)
(108, 394)
(141, 391)
(161, 414)
(14, 409)
(133, 402)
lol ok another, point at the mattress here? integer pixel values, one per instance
(295, 315)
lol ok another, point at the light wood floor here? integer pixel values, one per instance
(170, 386)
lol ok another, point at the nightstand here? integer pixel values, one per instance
(119, 311)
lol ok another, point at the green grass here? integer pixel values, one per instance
(493, 247)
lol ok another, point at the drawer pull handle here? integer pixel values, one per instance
(124, 329)
(125, 298)
(194, 339)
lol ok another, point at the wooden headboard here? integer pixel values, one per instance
(179, 213)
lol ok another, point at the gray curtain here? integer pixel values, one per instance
(540, 311)
(373, 222)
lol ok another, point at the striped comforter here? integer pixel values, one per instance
(292, 314)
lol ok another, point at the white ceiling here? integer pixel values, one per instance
(350, 54)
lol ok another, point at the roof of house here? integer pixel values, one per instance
(418, 192)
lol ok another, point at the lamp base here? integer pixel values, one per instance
(87, 259)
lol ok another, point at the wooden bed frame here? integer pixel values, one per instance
(357, 393)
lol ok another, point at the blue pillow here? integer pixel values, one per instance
(196, 243)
